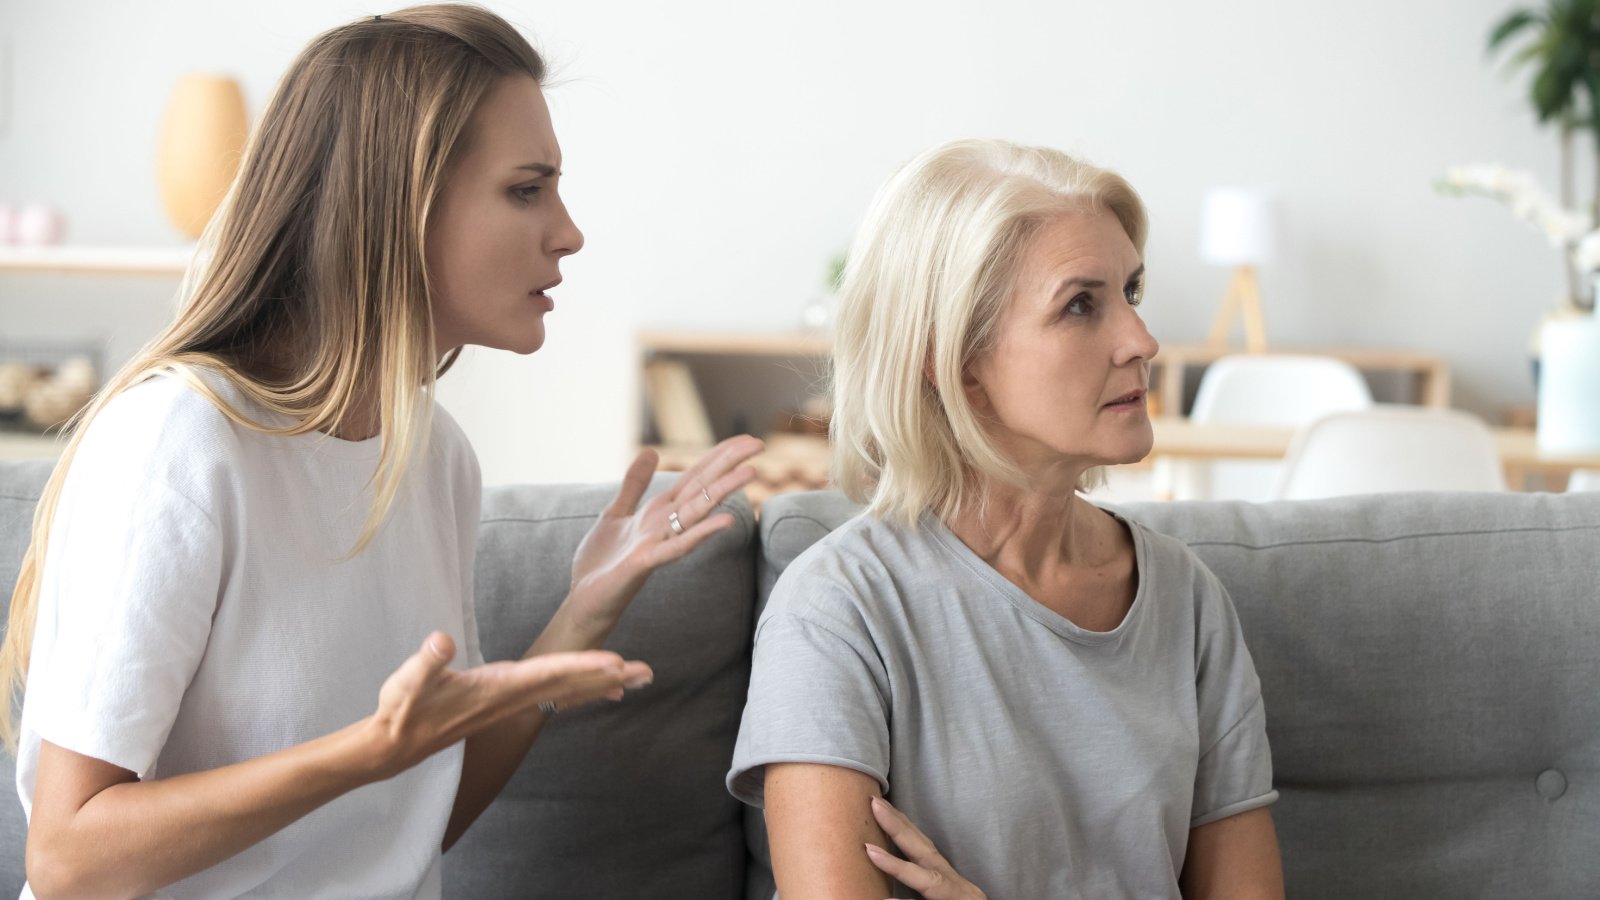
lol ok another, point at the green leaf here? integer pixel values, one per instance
(1509, 26)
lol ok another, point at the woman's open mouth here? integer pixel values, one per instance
(1130, 400)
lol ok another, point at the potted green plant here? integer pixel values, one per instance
(1561, 42)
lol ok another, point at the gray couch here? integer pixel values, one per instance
(1431, 667)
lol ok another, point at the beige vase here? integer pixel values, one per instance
(202, 138)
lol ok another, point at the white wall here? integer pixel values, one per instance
(719, 152)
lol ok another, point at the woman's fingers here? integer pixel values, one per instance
(682, 545)
(703, 501)
(925, 870)
(420, 668)
(634, 483)
(910, 839)
(570, 679)
(705, 472)
(895, 867)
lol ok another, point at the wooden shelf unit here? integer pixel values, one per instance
(742, 382)
(22, 445)
(758, 372)
(1429, 375)
(84, 260)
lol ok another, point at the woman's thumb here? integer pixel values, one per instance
(438, 649)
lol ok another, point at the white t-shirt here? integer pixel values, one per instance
(197, 609)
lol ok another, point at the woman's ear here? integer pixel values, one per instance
(972, 386)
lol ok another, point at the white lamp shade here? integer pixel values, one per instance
(1238, 227)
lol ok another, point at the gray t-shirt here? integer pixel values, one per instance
(1044, 760)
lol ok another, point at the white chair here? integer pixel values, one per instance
(1583, 480)
(1284, 390)
(1391, 448)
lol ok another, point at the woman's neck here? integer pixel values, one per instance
(1032, 531)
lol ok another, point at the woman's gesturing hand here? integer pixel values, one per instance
(925, 870)
(629, 541)
(425, 706)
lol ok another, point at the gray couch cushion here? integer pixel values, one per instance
(1429, 664)
(20, 484)
(622, 800)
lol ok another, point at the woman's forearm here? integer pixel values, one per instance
(134, 837)
(819, 822)
(1234, 859)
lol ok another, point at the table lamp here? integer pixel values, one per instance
(1238, 228)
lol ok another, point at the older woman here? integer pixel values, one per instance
(1061, 698)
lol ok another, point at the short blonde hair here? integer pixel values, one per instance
(926, 281)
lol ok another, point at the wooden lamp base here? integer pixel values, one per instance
(1242, 298)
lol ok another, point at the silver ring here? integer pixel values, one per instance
(674, 523)
(549, 708)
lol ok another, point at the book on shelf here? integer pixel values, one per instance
(680, 413)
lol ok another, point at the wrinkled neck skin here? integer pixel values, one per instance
(1037, 532)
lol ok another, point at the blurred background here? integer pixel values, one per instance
(719, 154)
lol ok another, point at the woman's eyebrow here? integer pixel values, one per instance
(544, 169)
(1093, 283)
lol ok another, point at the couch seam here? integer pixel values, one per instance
(791, 517)
(1388, 540)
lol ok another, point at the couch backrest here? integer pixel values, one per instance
(627, 799)
(20, 485)
(1430, 665)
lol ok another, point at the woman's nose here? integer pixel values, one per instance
(1134, 340)
(565, 239)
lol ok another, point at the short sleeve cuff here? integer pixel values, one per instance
(1233, 809)
(747, 782)
(81, 736)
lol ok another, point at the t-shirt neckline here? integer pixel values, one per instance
(1032, 608)
(312, 441)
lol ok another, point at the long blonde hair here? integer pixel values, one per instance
(309, 292)
(926, 281)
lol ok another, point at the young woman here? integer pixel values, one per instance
(246, 617)
(1061, 699)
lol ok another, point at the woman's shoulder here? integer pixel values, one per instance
(158, 437)
(854, 567)
(448, 439)
(161, 415)
(1171, 565)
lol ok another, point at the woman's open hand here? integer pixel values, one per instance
(425, 706)
(925, 870)
(629, 541)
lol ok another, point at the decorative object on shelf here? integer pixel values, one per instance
(59, 395)
(680, 413)
(1569, 385)
(44, 385)
(38, 225)
(202, 138)
(1238, 228)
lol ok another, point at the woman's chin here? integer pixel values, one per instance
(524, 343)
